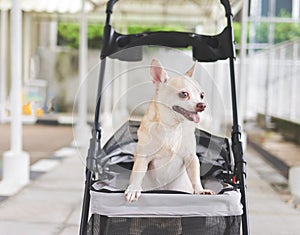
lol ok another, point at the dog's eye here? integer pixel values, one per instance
(202, 95)
(184, 95)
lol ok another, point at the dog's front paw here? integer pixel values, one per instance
(202, 191)
(133, 193)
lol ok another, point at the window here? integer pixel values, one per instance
(281, 6)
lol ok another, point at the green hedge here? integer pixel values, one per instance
(68, 33)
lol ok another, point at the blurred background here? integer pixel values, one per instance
(266, 40)
(55, 47)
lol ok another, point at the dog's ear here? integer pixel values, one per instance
(190, 73)
(159, 75)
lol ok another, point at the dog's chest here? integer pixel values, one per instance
(171, 146)
(167, 140)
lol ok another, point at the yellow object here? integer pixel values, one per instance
(39, 112)
(26, 110)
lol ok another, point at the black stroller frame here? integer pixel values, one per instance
(205, 49)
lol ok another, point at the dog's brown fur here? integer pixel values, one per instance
(165, 155)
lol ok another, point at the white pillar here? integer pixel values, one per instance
(295, 9)
(3, 65)
(15, 161)
(53, 34)
(16, 77)
(293, 84)
(82, 130)
(243, 66)
(281, 70)
(242, 81)
(269, 75)
(27, 48)
(255, 11)
(272, 8)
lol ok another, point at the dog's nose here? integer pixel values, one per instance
(200, 107)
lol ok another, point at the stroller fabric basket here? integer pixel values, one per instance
(105, 210)
(167, 212)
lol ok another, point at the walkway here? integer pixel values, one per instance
(51, 203)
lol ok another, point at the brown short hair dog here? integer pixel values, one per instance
(165, 155)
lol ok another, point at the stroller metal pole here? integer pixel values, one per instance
(92, 154)
(95, 144)
(240, 168)
(237, 148)
(85, 205)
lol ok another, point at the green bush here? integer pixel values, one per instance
(68, 35)
(282, 31)
(237, 28)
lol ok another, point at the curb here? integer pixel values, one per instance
(278, 164)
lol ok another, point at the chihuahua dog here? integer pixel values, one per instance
(165, 156)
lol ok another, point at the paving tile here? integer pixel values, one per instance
(25, 228)
(268, 213)
(274, 224)
(40, 205)
(3, 198)
(70, 230)
(74, 218)
(44, 165)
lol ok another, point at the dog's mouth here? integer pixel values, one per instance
(190, 115)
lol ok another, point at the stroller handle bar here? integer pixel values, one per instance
(225, 3)
(205, 48)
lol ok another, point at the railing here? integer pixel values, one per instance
(274, 82)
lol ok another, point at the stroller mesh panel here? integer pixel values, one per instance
(212, 225)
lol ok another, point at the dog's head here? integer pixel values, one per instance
(181, 95)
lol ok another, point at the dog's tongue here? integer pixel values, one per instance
(196, 118)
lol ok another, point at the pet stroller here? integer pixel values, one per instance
(104, 209)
